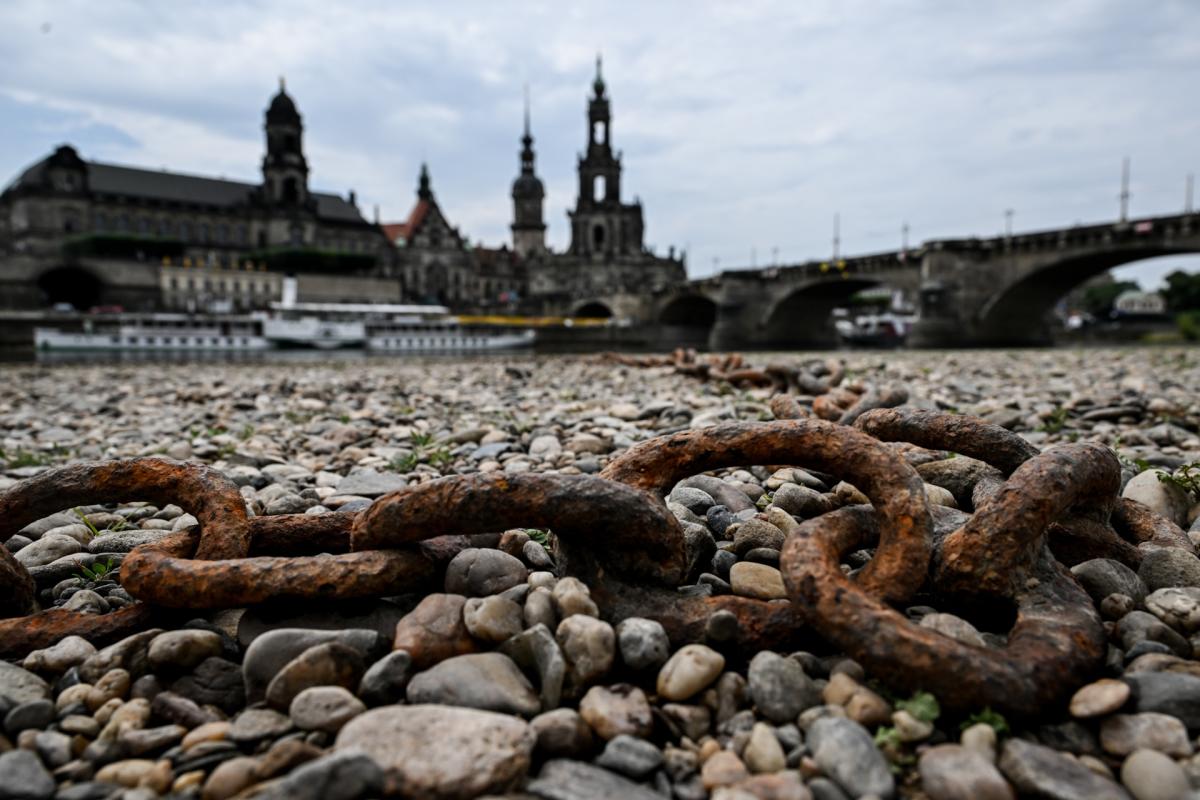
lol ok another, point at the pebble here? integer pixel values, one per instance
(442, 751)
(1162, 497)
(689, 671)
(1121, 734)
(1040, 771)
(492, 619)
(1168, 567)
(756, 580)
(561, 732)
(329, 664)
(613, 710)
(50, 547)
(20, 685)
(1097, 699)
(384, 681)
(345, 775)
(723, 769)
(68, 652)
(763, 751)
(845, 751)
(1179, 607)
(1150, 775)
(1101, 577)
(182, 650)
(324, 708)
(478, 572)
(486, 681)
(22, 777)
(571, 596)
(256, 724)
(1170, 693)
(536, 650)
(561, 779)
(779, 687)
(268, 653)
(952, 772)
(434, 630)
(588, 644)
(630, 756)
(643, 643)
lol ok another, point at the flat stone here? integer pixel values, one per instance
(268, 653)
(1121, 734)
(561, 779)
(845, 751)
(756, 580)
(756, 533)
(1150, 775)
(20, 685)
(182, 650)
(434, 630)
(370, 483)
(1044, 772)
(952, 772)
(433, 751)
(329, 664)
(630, 756)
(49, 548)
(380, 616)
(954, 627)
(617, 709)
(1179, 607)
(324, 708)
(486, 681)
(1105, 696)
(256, 724)
(22, 777)
(691, 670)
(214, 681)
(536, 651)
(124, 541)
(1171, 693)
(345, 775)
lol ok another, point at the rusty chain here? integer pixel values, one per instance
(1031, 509)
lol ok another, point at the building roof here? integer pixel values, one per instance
(116, 179)
(404, 230)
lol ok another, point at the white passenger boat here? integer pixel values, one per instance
(155, 332)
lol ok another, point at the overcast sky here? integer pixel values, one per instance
(744, 126)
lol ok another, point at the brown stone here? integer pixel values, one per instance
(434, 631)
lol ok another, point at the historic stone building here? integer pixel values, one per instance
(436, 264)
(608, 270)
(89, 233)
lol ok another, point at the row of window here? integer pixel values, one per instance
(200, 233)
(228, 284)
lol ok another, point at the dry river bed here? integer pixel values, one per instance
(503, 681)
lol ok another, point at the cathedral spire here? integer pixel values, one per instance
(424, 192)
(527, 134)
(598, 84)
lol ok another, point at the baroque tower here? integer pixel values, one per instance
(285, 171)
(601, 225)
(528, 194)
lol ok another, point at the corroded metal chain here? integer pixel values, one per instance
(615, 531)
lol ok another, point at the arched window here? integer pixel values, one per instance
(598, 236)
(291, 190)
(599, 187)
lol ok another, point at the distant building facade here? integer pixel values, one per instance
(87, 233)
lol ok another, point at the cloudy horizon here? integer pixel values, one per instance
(744, 129)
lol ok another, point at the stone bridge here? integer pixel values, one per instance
(969, 292)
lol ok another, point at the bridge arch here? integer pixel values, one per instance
(802, 317)
(687, 320)
(594, 309)
(1020, 312)
(76, 285)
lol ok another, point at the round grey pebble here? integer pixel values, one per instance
(643, 643)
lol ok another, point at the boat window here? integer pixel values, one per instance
(116, 339)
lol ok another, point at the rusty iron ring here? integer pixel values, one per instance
(1056, 642)
(1114, 527)
(606, 533)
(208, 494)
(898, 568)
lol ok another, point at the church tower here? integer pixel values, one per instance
(601, 224)
(528, 194)
(285, 171)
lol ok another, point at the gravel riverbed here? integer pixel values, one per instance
(503, 680)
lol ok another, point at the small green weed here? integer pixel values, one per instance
(98, 571)
(922, 705)
(87, 522)
(1186, 477)
(538, 535)
(988, 717)
(1055, 422)
(23, 458)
